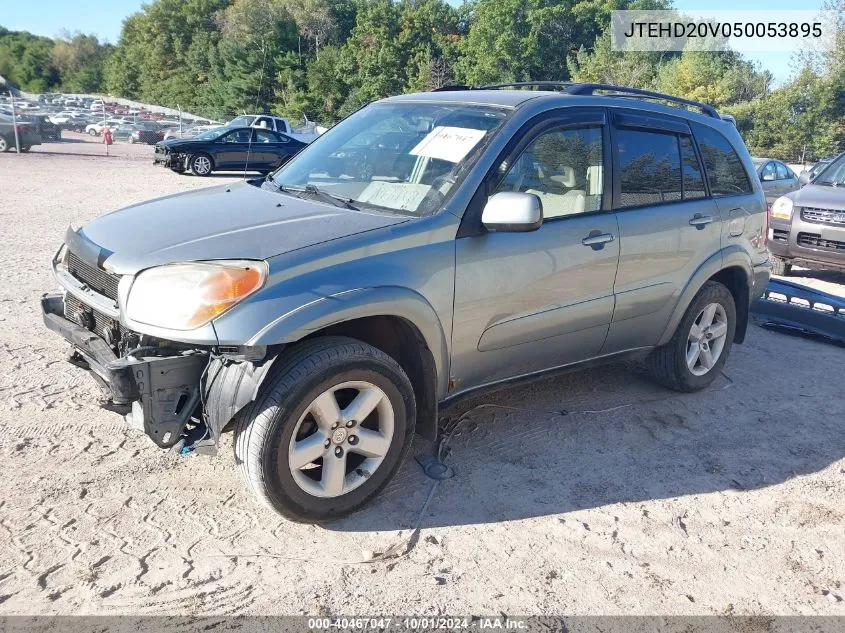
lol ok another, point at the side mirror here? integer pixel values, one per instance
(804, 177)
(767, 177)
(512, 211)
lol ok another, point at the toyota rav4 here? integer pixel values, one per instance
(428, 246)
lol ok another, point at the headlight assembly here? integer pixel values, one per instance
(186, 296)
(782, 208)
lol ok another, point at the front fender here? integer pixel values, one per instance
(731, 256)
(356, 304)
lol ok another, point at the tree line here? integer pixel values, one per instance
(325, 58)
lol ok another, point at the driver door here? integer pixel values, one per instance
(526, 302)
(232, 153)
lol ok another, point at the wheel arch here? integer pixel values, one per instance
(398, 321)
(730, 267)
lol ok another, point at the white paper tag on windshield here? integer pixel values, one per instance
(394, 195)
(448, 143)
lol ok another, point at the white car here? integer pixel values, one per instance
(95, 129)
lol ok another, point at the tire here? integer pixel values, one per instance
(780, 266)
(25, 148)
(668, 363)
(4, 144)
(92, 132)
(201, 165)
(264, 433)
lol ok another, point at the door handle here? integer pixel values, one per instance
(700, 221)
(596, 240)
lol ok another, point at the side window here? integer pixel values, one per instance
(783, 171)
(231, 137)
(564, 168)
(650, 168)
(769, 172)
(264, 136)
(723, 166)
(693, 176)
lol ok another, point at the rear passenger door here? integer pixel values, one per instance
(668, 224)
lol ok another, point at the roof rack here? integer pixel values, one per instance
(587, 89)
(621, 91)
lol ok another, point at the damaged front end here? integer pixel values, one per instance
(155, 382)
(178, 393)
(170, 158)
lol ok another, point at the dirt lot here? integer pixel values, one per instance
(585, 494)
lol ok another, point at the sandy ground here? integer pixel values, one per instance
(592, 493)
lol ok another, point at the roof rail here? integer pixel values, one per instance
(621, 91)
(586, 89)
(525, 84)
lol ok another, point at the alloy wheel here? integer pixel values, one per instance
(706, 339)
(202, 165)
(341, 439)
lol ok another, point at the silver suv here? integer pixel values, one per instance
(428, 246)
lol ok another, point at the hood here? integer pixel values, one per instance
(820, 196)
(238, 221)
(175, 142)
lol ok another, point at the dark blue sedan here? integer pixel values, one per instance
(227, 149)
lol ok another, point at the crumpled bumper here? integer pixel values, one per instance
(163, 391)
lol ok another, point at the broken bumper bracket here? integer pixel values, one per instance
(164, 391)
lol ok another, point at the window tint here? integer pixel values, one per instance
(724, 169)
(650, 168)
(563, 168)
(693, 178)
(783, 171)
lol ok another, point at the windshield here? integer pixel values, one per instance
(400, 156)
(210, 135)
(833, 174)
(243, 120)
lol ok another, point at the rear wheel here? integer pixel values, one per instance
(92, 132)
(698, 350)
(780, 266)
(4, 144)
(328, 431)
(201, 164)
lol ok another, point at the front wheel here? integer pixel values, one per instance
(695, 355)
(92, 132)
(201, 165)
(329, 429)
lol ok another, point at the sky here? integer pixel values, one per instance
(105, 17)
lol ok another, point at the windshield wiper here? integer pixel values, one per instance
(320, 194)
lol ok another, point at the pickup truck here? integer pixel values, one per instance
(269, 122)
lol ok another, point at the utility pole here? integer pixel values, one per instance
(15, 123)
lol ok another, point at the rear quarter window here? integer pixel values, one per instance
(725, 173)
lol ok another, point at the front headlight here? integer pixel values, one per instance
(186, 296)
(782, 208)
